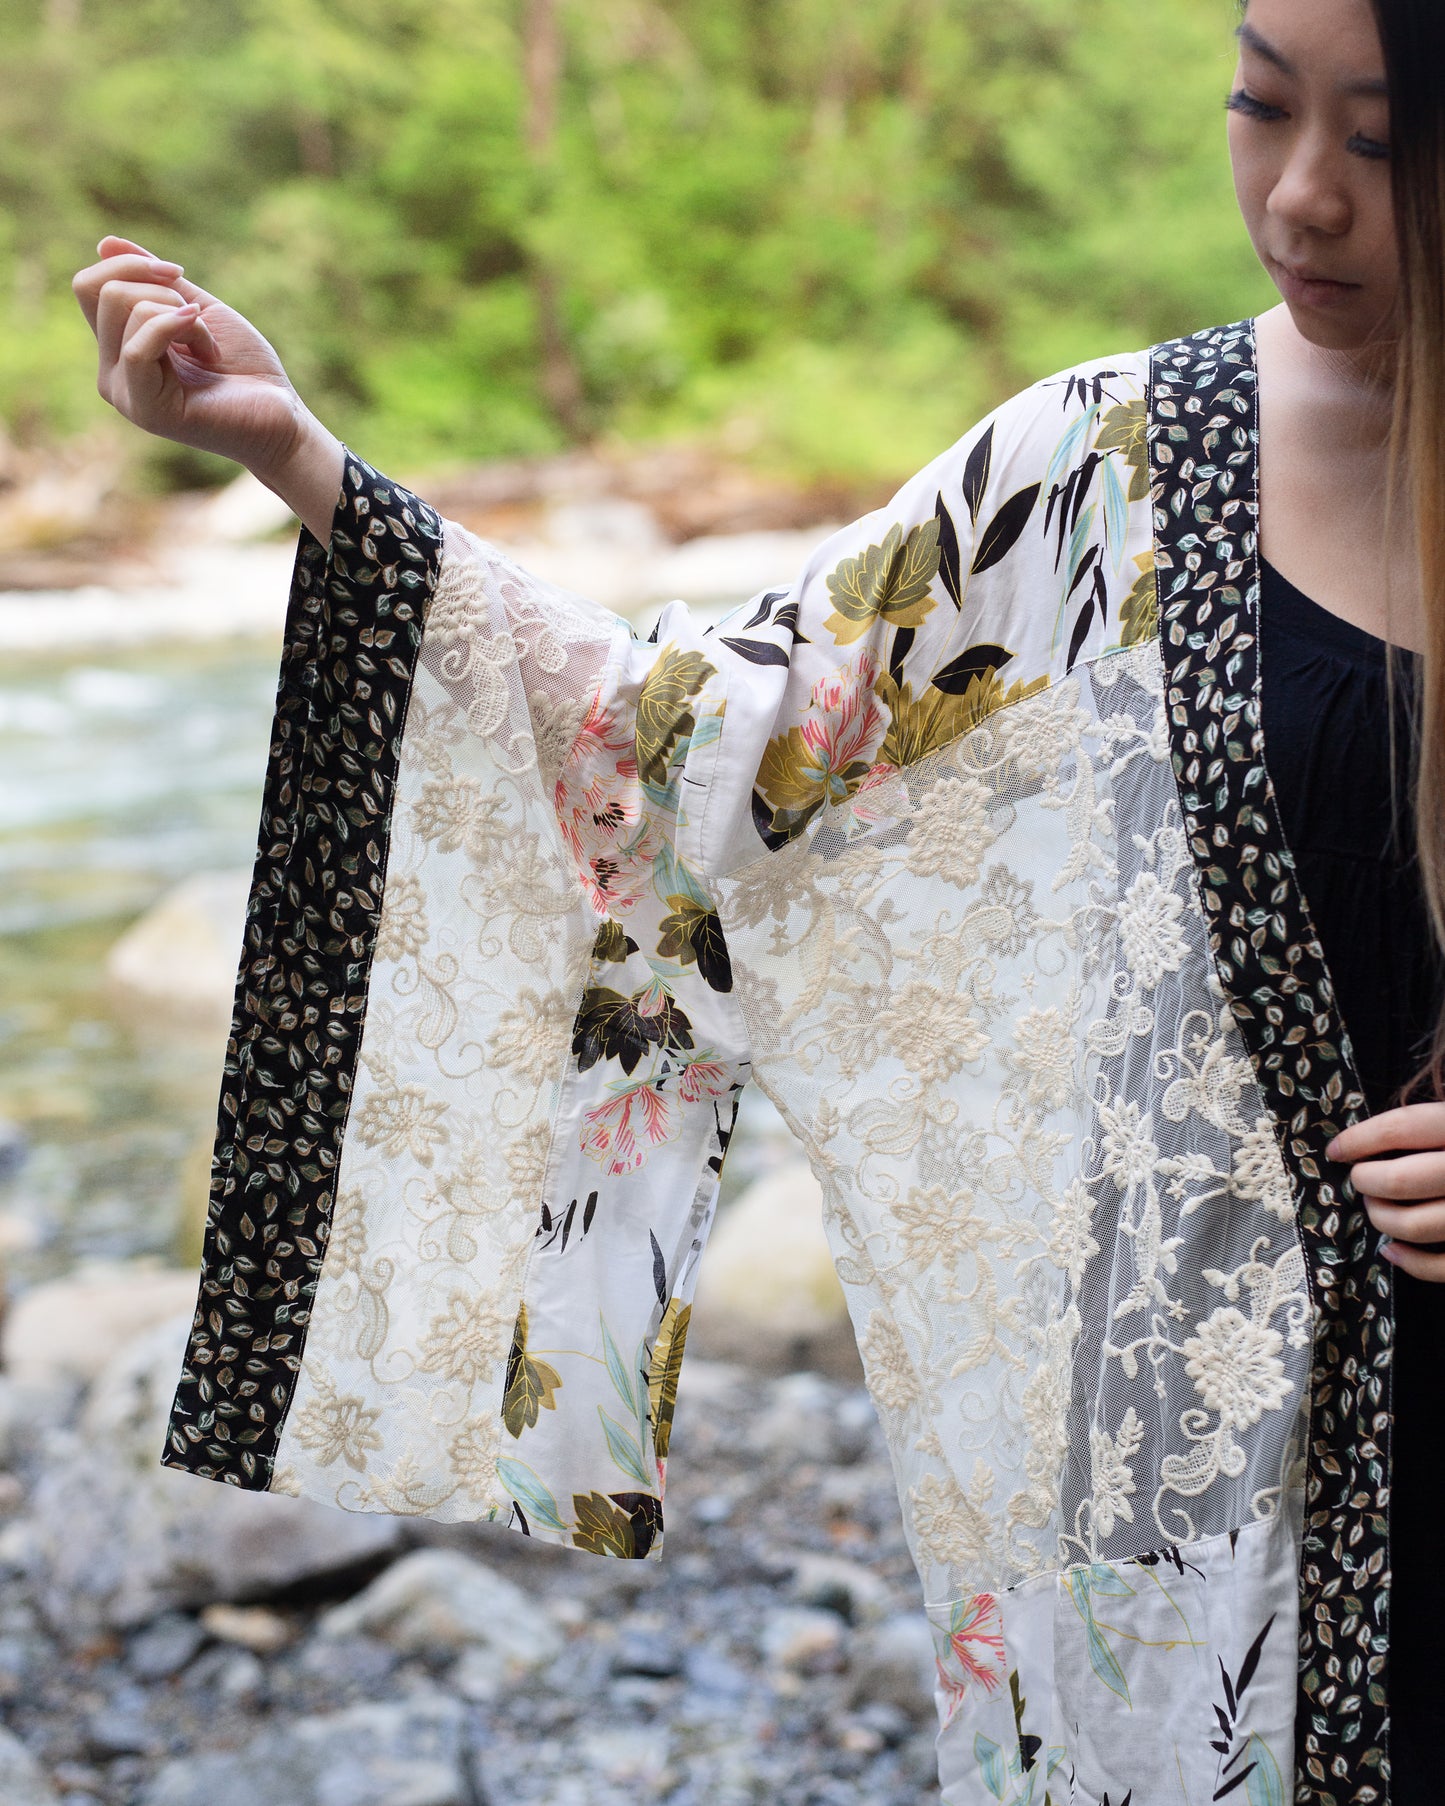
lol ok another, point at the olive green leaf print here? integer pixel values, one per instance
(1125, 429)
(622, 1524)
(664, 710)
(692, 933)
(662, 1375)
(613, 943)
(531, 1384)
(938, 717)
(892, 581)
(610, 1026)
(1139, 611)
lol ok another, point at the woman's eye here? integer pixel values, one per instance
(1242, 101)
(1368, 147)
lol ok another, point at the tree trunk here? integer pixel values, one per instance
(542, 67)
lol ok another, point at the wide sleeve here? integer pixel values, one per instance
(487, 1047)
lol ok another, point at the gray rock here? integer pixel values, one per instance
(798, 1423)
(439, 1601)
(165, 1646)
(21, 1780)
(803, 1639)
(835, 1584)
(893, 1663)
(115, 1538)
(645, 1648)
(383, 1753)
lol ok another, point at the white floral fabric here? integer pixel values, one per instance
(900, 841)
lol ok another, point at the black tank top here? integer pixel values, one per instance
(1325, 704)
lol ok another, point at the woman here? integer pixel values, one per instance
(964, 845)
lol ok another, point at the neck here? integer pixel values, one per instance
(1356, 383)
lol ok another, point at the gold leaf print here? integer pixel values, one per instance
(892, 581)
(602, 1528)
(934, 720)
(663, 1373)
(1125, 429)
(664, 711)
(531, 1384)
(1139, 611)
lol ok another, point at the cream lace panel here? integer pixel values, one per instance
(982, 995)
(482, 954)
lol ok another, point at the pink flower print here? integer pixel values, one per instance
(975, 1655)
(828, 754)
(703, 1078)
(975, 1635)
(599, 810)
(621, 1133)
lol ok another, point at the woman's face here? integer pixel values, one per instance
(1309, 130)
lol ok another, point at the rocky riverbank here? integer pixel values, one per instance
(165, 1641)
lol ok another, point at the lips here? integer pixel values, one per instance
(1303, 275)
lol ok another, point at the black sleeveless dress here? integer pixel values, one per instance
(1325, 709)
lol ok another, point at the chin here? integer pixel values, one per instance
(1339, 330)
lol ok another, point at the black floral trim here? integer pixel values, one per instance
(353, 632)
(1203, 437)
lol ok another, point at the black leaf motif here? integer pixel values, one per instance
(1080, 634)
(1229, 1698)
(788, 617)
(759, 652)
(975, 474)
(902, 646)
(1002, 532)
(659, 1271)
(948, 554)
(959, 673)
(589, 1211)
(1251, 1660)
(1085, 565)
(1238, 1781)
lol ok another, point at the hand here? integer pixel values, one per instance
(1403, 1197)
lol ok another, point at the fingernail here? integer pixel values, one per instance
(1330, 1150)
(1387, 1250)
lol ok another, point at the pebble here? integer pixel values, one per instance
(164, 1646)
(855, 1593)
(251, 1626)
(894, 1663)
(804, 1639)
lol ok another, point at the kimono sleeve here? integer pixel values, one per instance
(487, 1049)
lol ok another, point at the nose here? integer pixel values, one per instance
(1311, 194)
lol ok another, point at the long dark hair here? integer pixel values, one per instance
(1412, 37)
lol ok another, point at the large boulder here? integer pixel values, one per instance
(768, 1294)
(175, 968)
(439, 1602)
(117, 1539)
(72, 1327)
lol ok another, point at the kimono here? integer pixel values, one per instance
(961, 846)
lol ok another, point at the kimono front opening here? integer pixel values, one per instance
(962, 846)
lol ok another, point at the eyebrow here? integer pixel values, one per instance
(1255, 41)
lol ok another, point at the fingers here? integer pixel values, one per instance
(90, 283)
(153, 329)
(1407, 1176)
(118, 301)
(1411, 1126)
(1415, 1261)
(1423, 1222)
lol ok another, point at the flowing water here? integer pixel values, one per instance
(120, 774)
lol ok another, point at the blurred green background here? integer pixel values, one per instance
(823, 236)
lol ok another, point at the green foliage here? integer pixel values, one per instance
(832, 235)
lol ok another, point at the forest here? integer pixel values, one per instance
(823, 235)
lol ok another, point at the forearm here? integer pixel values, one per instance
(308, 479)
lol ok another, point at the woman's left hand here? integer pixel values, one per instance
(1404, 1196)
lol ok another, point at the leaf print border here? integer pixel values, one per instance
(1203, 446)
(354, 622)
